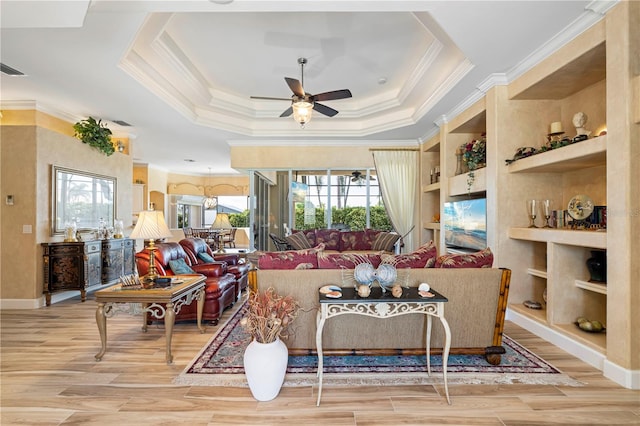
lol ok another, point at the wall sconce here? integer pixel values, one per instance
(120, 146)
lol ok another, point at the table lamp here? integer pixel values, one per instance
(151, 226)
(221, 222)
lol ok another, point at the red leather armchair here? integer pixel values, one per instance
(235, 265)
(220, 287)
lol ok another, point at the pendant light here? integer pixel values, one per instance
(210, 202)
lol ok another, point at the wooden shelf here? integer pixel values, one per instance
(537, 273)
(538, 315)
(590, 286)
(458, 184)
(591, 239)
(597, 341)
(431, 225)
(431, 187)
(580, 155)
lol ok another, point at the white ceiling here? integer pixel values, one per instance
(182, 72)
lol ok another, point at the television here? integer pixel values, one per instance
(465, 224)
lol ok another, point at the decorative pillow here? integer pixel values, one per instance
(290, 259)
(329, 237)
(346, 260)
(479, 259)
(355, 241)
(309, 233)
(205, 257)
(385, 241)
(179, 266)
(423, 257)
(298, 241)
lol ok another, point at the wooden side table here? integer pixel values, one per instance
(384, 305)
(142, 301)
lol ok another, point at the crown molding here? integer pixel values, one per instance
(316, 142)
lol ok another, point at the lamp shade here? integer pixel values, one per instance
(221, 222)
(151, 226)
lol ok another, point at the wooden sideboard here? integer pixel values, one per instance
(78, 265)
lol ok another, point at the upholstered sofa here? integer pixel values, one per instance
(199, 252)
(477, 299)
(335, 240)
(318, 257)
(220, 288)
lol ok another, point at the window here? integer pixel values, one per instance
(339, 199)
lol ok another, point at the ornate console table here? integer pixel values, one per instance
(163, 302)
(384, 305)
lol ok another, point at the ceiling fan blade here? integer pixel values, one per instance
(295, 86)
(323, 109)
(270, 98)
(330, 96)
(287, 112)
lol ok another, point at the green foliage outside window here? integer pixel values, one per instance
(354, 217)
(239, 220)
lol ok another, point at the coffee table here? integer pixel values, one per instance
(162, 302)
(384, 305)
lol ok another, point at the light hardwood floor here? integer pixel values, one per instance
(49, 377)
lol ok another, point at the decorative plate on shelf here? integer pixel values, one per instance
(580, 207)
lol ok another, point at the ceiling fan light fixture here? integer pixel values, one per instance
(302, 111)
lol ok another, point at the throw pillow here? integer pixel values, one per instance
(179, 266)
(205, 257)
(329, 237)
(346, 260)
(385, 241)
(423, 257)
(479, 259)
(290, 259)
(298, 241)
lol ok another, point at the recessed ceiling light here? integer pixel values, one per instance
(382, 80)
(122, 123)
(189, 160)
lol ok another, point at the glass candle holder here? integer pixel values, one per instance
(532, 211)
(546, 211)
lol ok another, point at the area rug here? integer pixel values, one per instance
(220, 364)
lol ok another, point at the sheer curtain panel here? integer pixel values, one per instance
(397, 172)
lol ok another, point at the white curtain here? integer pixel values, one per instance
(397, 172)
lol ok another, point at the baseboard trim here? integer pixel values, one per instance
(40, 302)
(630, 379)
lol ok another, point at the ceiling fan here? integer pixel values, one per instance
(303, 103)
(358, 177)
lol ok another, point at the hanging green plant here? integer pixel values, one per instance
(94, 133)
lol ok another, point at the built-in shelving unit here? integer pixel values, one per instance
(579, 77)
(431, 185)
(561, 86)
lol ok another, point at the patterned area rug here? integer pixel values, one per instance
(220, 364)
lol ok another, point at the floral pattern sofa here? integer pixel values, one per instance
(319, 258)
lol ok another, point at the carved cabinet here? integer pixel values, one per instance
(82, 264)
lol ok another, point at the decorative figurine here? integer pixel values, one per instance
(579, 120)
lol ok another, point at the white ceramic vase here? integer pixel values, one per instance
(265, 365)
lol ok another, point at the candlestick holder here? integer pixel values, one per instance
(532, 209)
(546, 209)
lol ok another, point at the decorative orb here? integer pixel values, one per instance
(364, 290)
(396, 291)
(364, 273)
(386, 275)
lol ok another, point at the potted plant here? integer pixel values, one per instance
(94, 133)
(474, 155)
(267, 319)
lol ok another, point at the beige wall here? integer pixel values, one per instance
(31, 143)
(301, 157)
